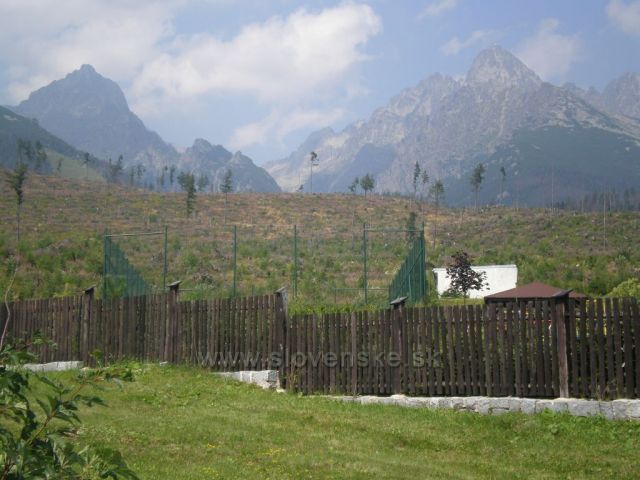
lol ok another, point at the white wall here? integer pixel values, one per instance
(499, 278)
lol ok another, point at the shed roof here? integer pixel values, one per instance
(534, 290)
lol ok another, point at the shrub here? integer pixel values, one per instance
(628, 288)
(38, 445)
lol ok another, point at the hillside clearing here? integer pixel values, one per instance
(64, 220)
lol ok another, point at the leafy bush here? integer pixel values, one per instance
(35, 441)
(628, 288)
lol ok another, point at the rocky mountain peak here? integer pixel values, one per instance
(622, 95)
(499, 68)
(204, 151)
(83, 90)
(87, 69)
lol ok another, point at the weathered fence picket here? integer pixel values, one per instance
(587, 348)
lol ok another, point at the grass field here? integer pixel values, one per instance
(63, 222)
(185, 423)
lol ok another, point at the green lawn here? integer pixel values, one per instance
(179, 422)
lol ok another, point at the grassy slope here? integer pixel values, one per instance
(61, 251)
(184, 423)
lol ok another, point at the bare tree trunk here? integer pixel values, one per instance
(435, 224)
(18, 220)
(6, 305)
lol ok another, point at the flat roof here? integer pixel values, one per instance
(534, 290)
(442, 269)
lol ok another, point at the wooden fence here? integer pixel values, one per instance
(588, 349)
(228, 334)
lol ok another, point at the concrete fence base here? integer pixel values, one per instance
(53, 366)
(267, 379)
(611, 410)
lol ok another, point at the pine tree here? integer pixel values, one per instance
(477, 177)
(226, 188)
(15, 179)
(437, 192)
(188, 183)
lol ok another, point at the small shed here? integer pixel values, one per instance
(533, 291)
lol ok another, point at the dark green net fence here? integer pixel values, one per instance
(120, 277)
(410, 280)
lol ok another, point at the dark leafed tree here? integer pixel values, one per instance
(140, 169)
(187, 182)
(227, 183)
(354, 185)
(503, 177)
(40, 156)
(25, 151)
(477, 177)
(163, 176)
(172, 174)
(424, 176)
(463, 277)
(226, 187)
(15, 179)
(203, 182)
(86, 158)
(313, 161)
(367, 183)
(116, 170)
(416, 177)
(437, 192)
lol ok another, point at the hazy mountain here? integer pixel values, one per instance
(621, 96)
(501, 114)
(14, 127)
(91, 112)
(214, 160)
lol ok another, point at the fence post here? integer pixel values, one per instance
(280, 334)
(563, 365)
(87, 320)
(396, 342)
(169, 337)
(354, 355)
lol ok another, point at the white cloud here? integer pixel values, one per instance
(280, 60)
(278, 124)
(625, 16)
(295, 65)
(548, 53)
(44, 40)
(455, 45)
(437, 7)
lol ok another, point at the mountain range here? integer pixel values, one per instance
(90, 112)
(549, 141)
(538, 142)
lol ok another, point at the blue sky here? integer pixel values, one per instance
(260, 75)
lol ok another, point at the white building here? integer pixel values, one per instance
(498, 278)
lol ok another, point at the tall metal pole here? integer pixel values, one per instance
(235, 254)
(164, 268)
(295, 260)
(364, 250)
